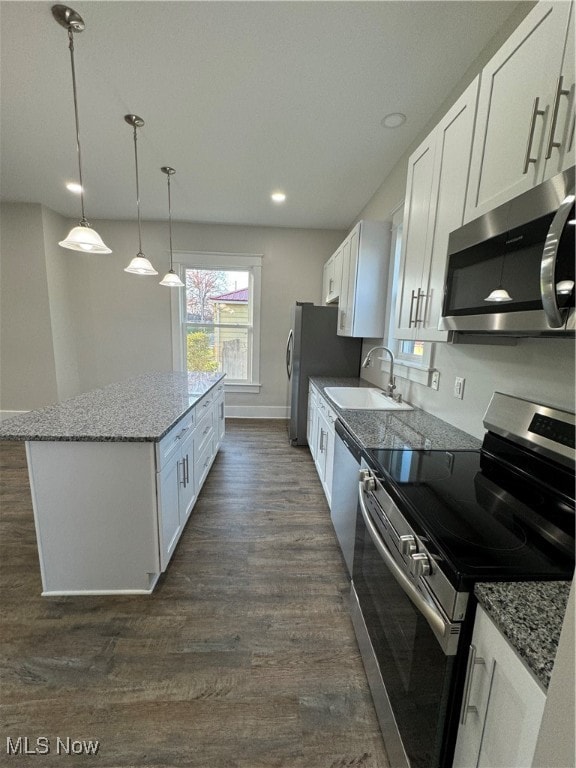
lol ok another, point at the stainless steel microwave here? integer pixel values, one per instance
(511, 271)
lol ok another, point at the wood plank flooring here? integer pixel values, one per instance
(243, 657)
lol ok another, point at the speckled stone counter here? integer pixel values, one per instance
(530, 615)
(135, 410)
(414, 429)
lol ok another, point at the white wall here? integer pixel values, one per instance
(98, 324)
(27, 363)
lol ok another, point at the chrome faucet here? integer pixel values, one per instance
(391, 380)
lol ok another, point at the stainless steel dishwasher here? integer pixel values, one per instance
(347, 456)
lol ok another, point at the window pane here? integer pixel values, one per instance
(216, 299)
(412, 348)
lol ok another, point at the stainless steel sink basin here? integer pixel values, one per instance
(364, 398)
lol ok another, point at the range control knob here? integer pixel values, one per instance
(419, 564)
(408, 545)
(367, 480)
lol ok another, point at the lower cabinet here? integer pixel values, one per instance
(321, 418)
(185, 456)
(503, 704)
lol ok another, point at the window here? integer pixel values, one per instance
(218, 317)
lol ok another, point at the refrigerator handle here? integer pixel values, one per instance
(289, 345)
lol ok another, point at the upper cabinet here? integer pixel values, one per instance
(364, 257)
(434, 206)
(525, 120)
(332, 278)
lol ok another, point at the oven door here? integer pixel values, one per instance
(412, 678)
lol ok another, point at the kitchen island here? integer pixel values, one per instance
(114, 474)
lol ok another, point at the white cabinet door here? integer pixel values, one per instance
(170, 525)
(514, 109)
(321, 446)
(436, 191)
(503, 702)
(187, 491)
(312, 424)
(453, 139)
(327, 280)
(560, 153)
(365, 257)
(416, 215)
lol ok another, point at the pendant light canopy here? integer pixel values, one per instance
(82, 237)
(170, 279)
(139, 264)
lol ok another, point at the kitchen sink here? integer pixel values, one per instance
(364, 398)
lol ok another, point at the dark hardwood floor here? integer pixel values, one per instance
(243, 657)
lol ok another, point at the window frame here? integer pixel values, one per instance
(246, 262)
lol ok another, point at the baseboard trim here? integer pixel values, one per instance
(257, 411)
(8, 414)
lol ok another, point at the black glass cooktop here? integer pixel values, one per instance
(482, 520)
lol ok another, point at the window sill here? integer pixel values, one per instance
(246, 389)
(420, 374)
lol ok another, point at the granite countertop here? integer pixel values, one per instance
(414, 429)
(141, 409)
(530, 615)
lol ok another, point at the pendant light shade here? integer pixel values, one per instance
(499, 294)
(82, 237)
(170, 279)
(139, 265)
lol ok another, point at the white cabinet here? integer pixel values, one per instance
(362, 302)
(219, 417)
(521, 103)
(503, 704)
(434, 206)
(332, 278)
(175, 485)
(321, 434)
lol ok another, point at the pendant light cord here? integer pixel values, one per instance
(71, 47)
(137, 191)
(170, 221)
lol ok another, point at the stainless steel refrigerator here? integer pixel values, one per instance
(315, 349)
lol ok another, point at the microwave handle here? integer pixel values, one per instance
(548, 266)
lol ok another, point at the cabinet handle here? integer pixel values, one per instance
(421, 295)
(411, 321)
(222, 410)
(473, 661)
(572, 132)
(321, 440)
(559, 92)
(187, 460)
(342, 313)
(535, 112)
(181, 480)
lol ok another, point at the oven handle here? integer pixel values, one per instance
(434, 619)
(552, 312)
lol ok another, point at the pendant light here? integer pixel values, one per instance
(499, 294)
(170, 279)
(139, 264)
(82, 237)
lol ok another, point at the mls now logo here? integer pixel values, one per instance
(22, 745)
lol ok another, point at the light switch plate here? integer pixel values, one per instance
(459, 387)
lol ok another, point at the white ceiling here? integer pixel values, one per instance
(241, 98)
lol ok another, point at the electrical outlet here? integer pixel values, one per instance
(435, 382)
(459, 387)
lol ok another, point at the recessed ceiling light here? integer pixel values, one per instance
(278, 197)
(393, 120)
(72, 186)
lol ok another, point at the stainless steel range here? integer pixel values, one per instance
(430, 524)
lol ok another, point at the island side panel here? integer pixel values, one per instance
(96, 516)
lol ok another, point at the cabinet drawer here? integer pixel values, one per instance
(204, 405)
(203, 461)
(203, 432)
(171, 442)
